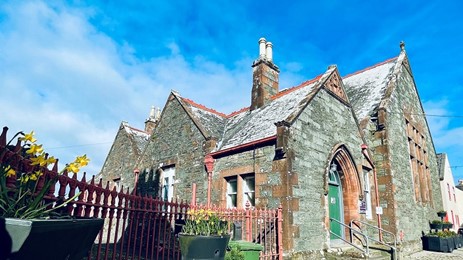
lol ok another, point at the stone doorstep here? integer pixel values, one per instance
(346, 251)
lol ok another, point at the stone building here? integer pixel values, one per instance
(451, 195)
(331, 150)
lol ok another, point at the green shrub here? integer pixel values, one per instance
(234, 254)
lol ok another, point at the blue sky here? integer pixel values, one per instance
(72, 71)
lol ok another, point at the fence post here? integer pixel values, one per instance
(248, 222)
(193, 195)
(280, 232)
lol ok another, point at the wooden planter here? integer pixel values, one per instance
(50, 238)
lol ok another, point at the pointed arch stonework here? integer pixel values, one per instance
(350, 182)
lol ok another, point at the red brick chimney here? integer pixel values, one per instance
(265, 76)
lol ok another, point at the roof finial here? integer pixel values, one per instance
(402, 45)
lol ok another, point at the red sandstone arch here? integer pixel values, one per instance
(350, 181)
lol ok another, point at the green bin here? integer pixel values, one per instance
(251, 251)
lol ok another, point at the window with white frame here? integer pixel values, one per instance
(232, 192)
(249, 191)
(167, 185)
(241, 191)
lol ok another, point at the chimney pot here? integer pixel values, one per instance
(268, 51)
(262, 42)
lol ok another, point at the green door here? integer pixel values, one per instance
(335, 204)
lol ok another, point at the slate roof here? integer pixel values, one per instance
(367, 87)
(139, 138)
(365, 90)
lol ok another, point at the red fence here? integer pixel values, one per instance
(138, 227)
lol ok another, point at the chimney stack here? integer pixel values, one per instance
(265, 76)
(153, 119)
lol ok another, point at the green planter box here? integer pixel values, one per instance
(50, 239)
(251, 251)
(203, 247)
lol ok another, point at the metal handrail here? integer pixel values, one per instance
(394, 248)
(366, 250)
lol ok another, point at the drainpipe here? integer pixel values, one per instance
(375, 179)
(209, 162)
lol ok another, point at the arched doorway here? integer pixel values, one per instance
(336, 207)
(344, 191)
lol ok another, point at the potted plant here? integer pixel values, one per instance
(205, 235)
(435, 224)
(440, 241)
(442, 213)
(27, 222)
(447, 224)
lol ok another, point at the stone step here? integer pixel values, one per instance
(346, 251)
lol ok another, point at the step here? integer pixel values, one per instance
(346, 251)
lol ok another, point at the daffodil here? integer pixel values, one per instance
(50, 160)
(39, 160)
(82, 160)
(28, 137)
(10, 172)
(35, 149)
(72, 167)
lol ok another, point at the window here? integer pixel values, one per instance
(240, 190)
(450, 194)
(454, 197)
(249, 191)
(167, 185)
(232, 191)
(117, 183)
(419, 163)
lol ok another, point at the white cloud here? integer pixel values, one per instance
(73, 85)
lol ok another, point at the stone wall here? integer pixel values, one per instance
(403, 215)
(324, 123)
(120, 161)
(177, 141)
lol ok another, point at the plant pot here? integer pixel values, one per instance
(447, 225)
(441, 214)
(435, 225)
(203, 247)
(438, 244)
(50, 238)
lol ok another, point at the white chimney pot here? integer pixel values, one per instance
(262, 42)
(269, 52)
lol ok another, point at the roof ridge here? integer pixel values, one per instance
(135, 129)
(289, 90)
(371, 67)
(191, 102)
(234, 113)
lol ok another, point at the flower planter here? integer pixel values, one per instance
(441, 214)
(435, 225)
(51, 238)
(203, 247)
(438, 244)
(447, 225)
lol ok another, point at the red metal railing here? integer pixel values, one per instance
(140, 227)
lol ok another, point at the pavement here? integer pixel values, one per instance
(429, 255)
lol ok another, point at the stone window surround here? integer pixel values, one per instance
(240, 186)
(419, 161)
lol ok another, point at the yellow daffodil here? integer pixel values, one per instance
(35, 149)
(10, 172)
(50, 160)
(39, 160)
(72, 167)
(24, 178)
(29, 137)
(82, 160)
(34, 176)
